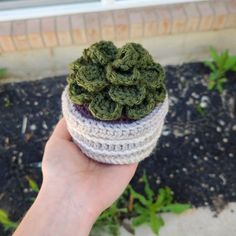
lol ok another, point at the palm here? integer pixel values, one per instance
(64, 162)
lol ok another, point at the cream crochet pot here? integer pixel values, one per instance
(114, 143)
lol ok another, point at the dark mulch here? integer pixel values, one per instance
(196, 155)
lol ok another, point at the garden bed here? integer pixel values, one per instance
(195, 157)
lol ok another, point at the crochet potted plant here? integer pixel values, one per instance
(115, 102)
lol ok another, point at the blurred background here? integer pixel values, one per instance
(196, 155)
(55, 32)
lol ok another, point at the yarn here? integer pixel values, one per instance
(101, 52)
(143, 109)
(118, 77)
(92, 78)
(115, 83)
(132, 54)
(150, 73)
(103, 108)
(78, 95)
(127, 95)
(114, 143)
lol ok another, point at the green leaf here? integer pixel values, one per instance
(168, 195)
(3, 72)
(147, 189)
(108, 221)
(140, 209)
(6, 222)
(219, 87)
(210, 64)
(138, 196)
(223, 80)
(141, 219)
(230, 63)
(222, 59)
(214, 54)
(33, 185)
(156, 222)
(211, 85)
(176, 208)
(165, 196)
(214, 76)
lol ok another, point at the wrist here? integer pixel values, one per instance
(80, 191)
(57, 211)
(66, 194)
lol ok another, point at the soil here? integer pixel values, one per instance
(195, 157)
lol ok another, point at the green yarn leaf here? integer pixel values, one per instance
(91, 77)
(159, 94)
(107, 79)
(132, 54)
(139, 111)
(77, 94)
(103, 108)
(118, 77)
(75, 65)
(153, 76)
(102, 52)
(127, 95)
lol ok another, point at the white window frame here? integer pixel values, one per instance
(73, 8)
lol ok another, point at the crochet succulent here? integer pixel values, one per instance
(116, 82)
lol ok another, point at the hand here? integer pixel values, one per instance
(65, 166)
(75, 189)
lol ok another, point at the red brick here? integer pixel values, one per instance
(92, 27)
(136, 23)
(164, 20)
(179, 19)
(63, 30)
(231, 19)
(19, 35)
(193, 17)
(121, 24)
(150, 22)
(78, 29)
(34, 34)
(220, 13)
(48, 30)
(6, 41)
(207, 16)
(107, 25)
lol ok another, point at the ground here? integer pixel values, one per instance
(195, 157)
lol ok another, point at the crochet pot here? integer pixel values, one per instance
(114, 143)
(115, 102)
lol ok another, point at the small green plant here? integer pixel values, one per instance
(33, 185)
(4, 218)
(200, 109)
(139, 208)
(146, 207)
(7, 102)
(3, 72)
(5, 221)
(221, 64)
(109, 220)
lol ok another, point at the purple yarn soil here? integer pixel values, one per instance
(84, 111)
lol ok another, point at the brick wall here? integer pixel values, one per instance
(116, 25)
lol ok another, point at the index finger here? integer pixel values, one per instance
(61, 131)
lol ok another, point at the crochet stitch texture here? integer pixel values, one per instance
(115, 102)
(116, 82)
(119, 143)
